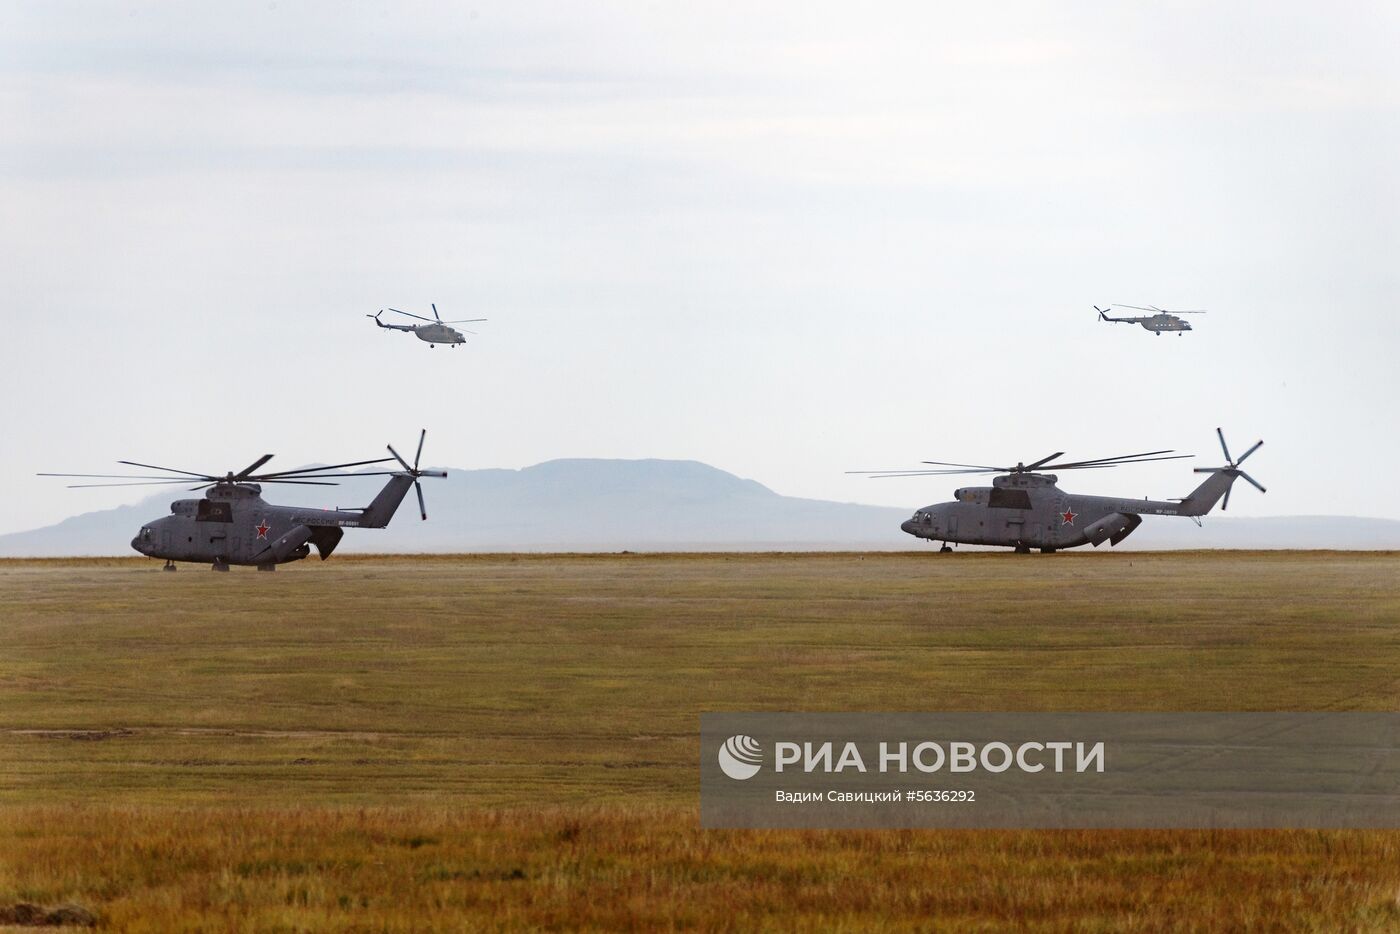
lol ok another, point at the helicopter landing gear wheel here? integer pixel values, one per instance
(169, 566)
(1023, 549)
(945, 549)
(220, 565)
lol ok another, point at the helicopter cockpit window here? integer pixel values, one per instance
(213, 511)
(146, 533)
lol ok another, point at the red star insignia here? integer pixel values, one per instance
(1068, 517)
(262, 529)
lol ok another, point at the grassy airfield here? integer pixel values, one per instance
(493, 741)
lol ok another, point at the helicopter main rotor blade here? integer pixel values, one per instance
(326, 469)
(188, 473)
(301, 482)
(1045, 460)
(1225, 503)
(1119, 457)
(419, 317)
(905, 470)
(1114, 305)
(347, 476)
(86, 486)
(467, 321)
(1228, 459)
(254, 465)
(113, 476)
(1086, 465)
(422, 509)
(422, 434)
(887, 474)
(1101, 464)
(1107, 466)
(968, 466)
(881, 474)
(435, 314)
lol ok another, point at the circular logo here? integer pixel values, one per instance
(740, 757)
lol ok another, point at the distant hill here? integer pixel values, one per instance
(650, 505)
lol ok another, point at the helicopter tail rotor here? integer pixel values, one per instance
(415, 473)
(1232, 469)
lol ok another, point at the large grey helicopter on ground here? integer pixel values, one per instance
(435, 331)
(233, 525)
(1157, 322)
(1024, 509)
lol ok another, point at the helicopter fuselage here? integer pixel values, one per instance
(433, 332)
(1028, 510)
(1154, 323)
(438, 334)
(232, 524)
(1159, 323)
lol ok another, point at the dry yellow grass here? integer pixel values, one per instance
(647, 868)
(503, 741)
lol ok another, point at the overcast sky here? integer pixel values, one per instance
(786, 240)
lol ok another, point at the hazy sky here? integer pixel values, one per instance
(787, 240)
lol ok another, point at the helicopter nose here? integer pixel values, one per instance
(908, 526)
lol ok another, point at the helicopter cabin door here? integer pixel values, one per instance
(214, 518)
(1007, 515)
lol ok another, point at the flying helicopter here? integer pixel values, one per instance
(232, 524)
(1024, 509)
(435, 331)
(1160, 320)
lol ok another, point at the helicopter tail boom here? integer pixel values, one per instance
(1221, 479)
(388, 327)
(378, 513)
(1204, 497)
